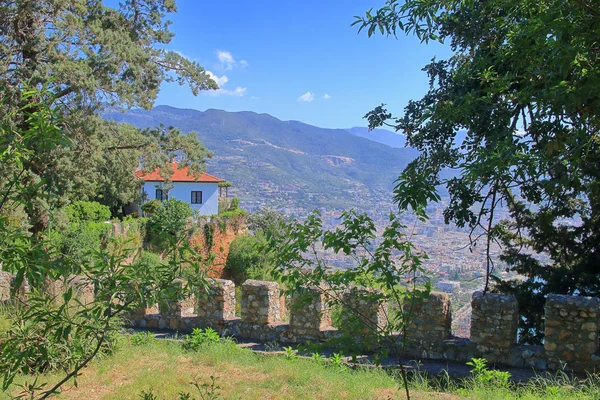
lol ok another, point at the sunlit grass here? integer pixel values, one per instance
(166, 369)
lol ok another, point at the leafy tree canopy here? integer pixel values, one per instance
(88, 56)
(523, 84)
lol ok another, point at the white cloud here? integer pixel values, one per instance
(237, 92)
(226, 59)
(228, 62)
(307, 97)
(220, 80)
(326, 96)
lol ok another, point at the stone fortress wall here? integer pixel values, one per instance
(571, 329)
(572, 324)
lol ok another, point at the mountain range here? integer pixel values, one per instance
(288, 164)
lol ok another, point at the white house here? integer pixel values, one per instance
(201, 193)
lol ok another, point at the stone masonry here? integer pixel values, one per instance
(362, 302)
(571, 322)
(494, 325)
(5, 286)
(571, 331)
(218, 304)
(260, 302)
(430, 324)
(310, 313)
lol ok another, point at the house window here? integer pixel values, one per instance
(161, 195)
(196, 197)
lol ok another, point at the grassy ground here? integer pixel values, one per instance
(165, 369)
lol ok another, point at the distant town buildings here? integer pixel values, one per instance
(448, 286)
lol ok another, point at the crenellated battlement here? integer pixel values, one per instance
(571, 324)
(571, 333)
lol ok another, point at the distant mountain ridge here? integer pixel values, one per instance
(383, 136)
(287, 163)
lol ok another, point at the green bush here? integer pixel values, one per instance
(200, 338)
(171, 218)
(489, 378)
(209, 235)
(87, 211)
(245, 261)
(80, 240)
(150, 261)
(41, 352)
(151, 207)
(265, 221)
(234, 213)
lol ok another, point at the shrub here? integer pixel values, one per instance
(290, 353)
(209, 235)
(245, 261)
(150, 261)
(87, 211)
(266, 221)
(234, 213)
(488, 378)
(171, 218)
(43, 352)
(200, 338)
(80, 240)
(151, 207)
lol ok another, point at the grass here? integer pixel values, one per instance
(551, 386)
(166, 369)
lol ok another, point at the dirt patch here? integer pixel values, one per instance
(394, 393)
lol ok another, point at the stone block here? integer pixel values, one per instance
(309, 312)
(571, 334)
(260, 302)
(366, 306)
(494, 324)
(218, 303)
(430, 324)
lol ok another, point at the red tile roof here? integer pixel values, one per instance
(179, 175)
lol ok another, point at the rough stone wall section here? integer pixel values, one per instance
(180, 314)
(309, 313)
(260, 302)
(219, 303)
(83, 288)
(361, 302)
(572, 331)
(430, 324)
(494, 324)
(5, 286)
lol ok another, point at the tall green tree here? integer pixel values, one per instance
(54, 329)
(524, 84)
(90, 56)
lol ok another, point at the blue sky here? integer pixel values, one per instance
(297, 60)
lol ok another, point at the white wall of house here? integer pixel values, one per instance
(183, 191)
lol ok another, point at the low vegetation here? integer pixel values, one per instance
(204, 366)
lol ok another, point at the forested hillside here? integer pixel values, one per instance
(285, 162)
